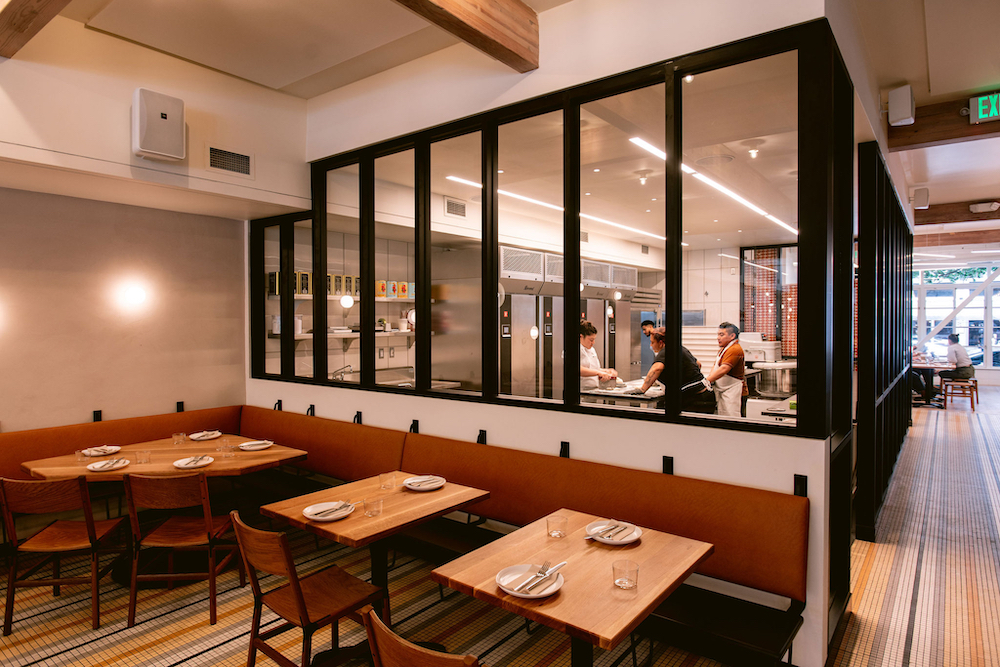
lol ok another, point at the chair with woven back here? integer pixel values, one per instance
(196, 530)
(58, 539)
(311, 602)
(390, 650)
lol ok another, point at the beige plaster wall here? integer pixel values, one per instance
(67, 345)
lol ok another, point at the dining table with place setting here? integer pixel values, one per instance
(578, 574)
(391, 502)
(215, 453)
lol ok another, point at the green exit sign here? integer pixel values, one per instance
(984, 108)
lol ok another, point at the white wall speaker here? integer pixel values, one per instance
(157, 126)
(921, 198)
(902, 108)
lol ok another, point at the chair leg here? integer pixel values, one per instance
(8, 614)
(56, 590)
(254, 631)
(211, 586)
(95, 597)
(170, 569)
(306, 647)
(133, 588)
(335, 635)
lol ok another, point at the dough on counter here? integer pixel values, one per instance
(619, 382)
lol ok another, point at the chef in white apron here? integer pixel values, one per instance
(727, 373)
(590, 366)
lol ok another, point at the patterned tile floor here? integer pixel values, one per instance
(926, 591)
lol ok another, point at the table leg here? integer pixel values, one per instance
(380, 575)
(581, 653)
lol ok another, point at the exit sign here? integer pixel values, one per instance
(984, 108)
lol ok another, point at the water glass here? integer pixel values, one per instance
(80, 456)
(373, 506)
(143, 456)
(556, 525)
(626, 573)
(387, 480)
(227, 448)
(179, 438)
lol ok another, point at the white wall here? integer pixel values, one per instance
(579, 41)
(65, 101)
(710, 284)
(66, 345)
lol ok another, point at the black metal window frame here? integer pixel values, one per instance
(825, 126)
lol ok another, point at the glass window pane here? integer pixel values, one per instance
(395, 272)
(272, 299)
(456, 264)
(740, 180)
(622, 225)
(343, 267)
(304, 290)
(530, 229)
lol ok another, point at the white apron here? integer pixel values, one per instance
(728, 390)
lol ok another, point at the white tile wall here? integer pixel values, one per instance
(712, 284)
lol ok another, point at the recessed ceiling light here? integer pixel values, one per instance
(740, 230)
(596, 170)
(689, 78)
(685, 231)
(587, 193)
(654, 199)
(715, 221)
(647, 210)
(685, 244)
(718, 239)
(499, 171)
(980, 252)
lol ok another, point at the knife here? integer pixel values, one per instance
(615, 532)
(108, 463)
(333, 510)
(603, 532)
(552, 570)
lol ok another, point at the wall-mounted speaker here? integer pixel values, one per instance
(921, 198)
(157, 126)
(902, 108)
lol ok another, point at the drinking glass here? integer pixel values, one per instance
(387, 480)
(179, 438)
(373, 506)
(556, 525)
(626, 573)
(80, 456)
(142, 456)
(227, 448)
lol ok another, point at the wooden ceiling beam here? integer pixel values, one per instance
(940, 124)
(956, 238)
(504, 29)
(956, 212)
(20, 20)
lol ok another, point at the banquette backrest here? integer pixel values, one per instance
(760, 537)
(339, 449)
(18, 446)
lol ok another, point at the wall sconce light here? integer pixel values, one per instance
(533, 332)
(347, 301)
(618, 295)
(611, 311)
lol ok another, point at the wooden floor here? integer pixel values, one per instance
(926, 591)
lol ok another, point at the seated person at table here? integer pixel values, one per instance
(958, 356)
(696, 395)
(591, 372)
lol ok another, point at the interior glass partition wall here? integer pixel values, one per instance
(343, 262)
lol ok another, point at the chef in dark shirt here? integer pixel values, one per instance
(695, 394)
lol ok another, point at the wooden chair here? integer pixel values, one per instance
(199, 531)
(391, 650)
(309, 603)
(59, 538)
(960, 388)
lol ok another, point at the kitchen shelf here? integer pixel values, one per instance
(348, 337)
(388, 299)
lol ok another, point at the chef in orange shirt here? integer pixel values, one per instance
(727, 373)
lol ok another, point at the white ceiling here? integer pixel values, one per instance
(301, 47)
(945, 50)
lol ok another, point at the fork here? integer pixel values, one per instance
(542, 571)
(334, 510)
(602, 532)
(109, 463)
(195, 459)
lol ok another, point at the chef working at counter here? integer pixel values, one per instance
(727, 373)
(591, 372)
(696, 393)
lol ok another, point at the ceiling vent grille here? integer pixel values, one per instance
(230, 161)
(645, 250)
(454, 207)
(584, 237)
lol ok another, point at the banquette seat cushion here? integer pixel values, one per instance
(339, 449)
(18, 446)
(760, 537)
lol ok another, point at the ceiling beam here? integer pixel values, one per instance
(20, 20)
(956, 238)
(940, 124)
(504, 29)
(956, 212)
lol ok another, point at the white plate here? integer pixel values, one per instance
(205, 435)
(101, 466)
(103, 450)
(311, 511)
(596, 526)
(424, 482)
(255, 445)
(185, 463)
(510, 574)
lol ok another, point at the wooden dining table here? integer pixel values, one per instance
(163, 453)
(589, 607)
(401, 508)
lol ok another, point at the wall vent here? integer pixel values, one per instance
(553, 268)
(230, 161)
(645, 250)
(584, 237)
(454, 207)
(624, 276)
(597, 274)
(520, 263)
